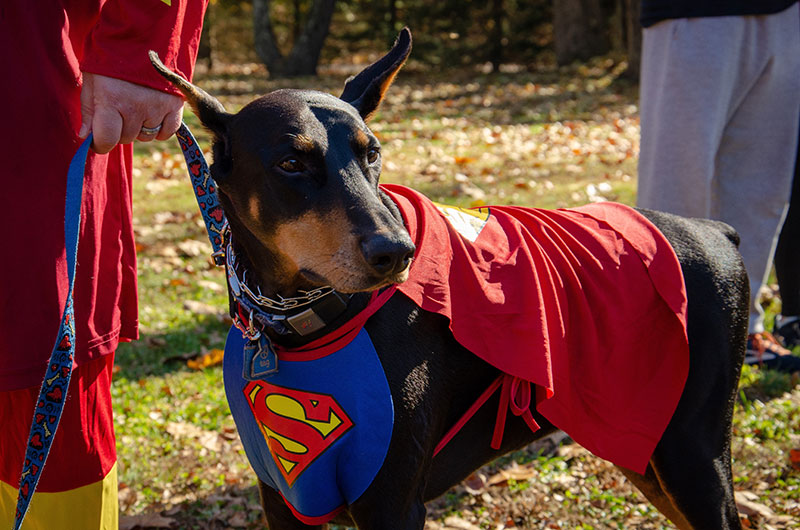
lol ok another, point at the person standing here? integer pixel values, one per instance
(74, 68)
(719, 100)
(787, 268)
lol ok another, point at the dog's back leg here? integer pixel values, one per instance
(691, 465)
(650, 486)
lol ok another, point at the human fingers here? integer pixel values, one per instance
(107, 127)
(141, 109)
(148, 133)
(87, 106)
(171, 123)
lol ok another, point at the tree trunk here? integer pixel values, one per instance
(496, 35)
(303, 58)
(206, 45)
(579, 30)
(392, 33)
(634, 41)
(297, 19)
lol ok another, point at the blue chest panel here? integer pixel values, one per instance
(317, 431)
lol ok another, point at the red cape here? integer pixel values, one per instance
(588, 304)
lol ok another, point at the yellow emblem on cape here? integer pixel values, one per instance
(468, 223)
(168, 2)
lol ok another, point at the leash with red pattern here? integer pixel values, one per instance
(50, 403)
(205, 191)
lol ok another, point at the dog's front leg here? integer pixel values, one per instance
(391, 514)
(395, 500)
(278, 515)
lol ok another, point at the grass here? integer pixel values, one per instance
(553, 138)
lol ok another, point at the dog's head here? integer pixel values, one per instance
(297, 172)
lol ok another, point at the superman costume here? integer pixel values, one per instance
(569, 301)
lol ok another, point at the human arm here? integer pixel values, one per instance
(121, 91)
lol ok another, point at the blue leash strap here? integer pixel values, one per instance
(53, 393)
(205, 190)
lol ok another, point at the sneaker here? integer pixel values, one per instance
(788, 333)
(764, 350)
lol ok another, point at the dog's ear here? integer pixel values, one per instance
(210, 111)
(365, 91)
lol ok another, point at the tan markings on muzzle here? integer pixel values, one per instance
(325, 246)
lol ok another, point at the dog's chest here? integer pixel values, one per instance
(318, 430)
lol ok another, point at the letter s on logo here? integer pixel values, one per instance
(298, 426)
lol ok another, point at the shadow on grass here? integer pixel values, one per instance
(764, 385)
(159, 353)
(229, 507)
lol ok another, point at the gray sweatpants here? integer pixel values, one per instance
(720, 107)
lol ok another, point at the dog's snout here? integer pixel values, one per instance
(387, 256)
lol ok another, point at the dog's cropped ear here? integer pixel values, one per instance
(210, 111)
(365, 91)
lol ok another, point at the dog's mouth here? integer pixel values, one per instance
(356, 283)
(393, 279)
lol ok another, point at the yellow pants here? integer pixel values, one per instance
(78, 485)
(91, 507)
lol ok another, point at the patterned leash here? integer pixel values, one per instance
(205, 190)
(53, 393)
(50, 404)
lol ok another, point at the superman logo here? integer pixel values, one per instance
(468, 223)
(298, 426)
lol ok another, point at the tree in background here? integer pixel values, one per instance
(292, 36)
(583, 29)
(306, 46)
(633, 33)
(579, 30)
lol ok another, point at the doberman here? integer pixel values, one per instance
(298, 172)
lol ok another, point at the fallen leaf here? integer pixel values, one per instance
(193, 247)
(210, 286)
(751, 508)
(515, 472)
(794, 458)
(475, 483)
(238, 520)
(200, 308)
(212, 358)
(459, 523)
(146, 520)
(209, 439)
(127, 496)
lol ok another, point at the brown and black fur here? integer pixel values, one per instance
(298, 172)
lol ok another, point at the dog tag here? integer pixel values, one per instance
(260, 359)
(306, 322)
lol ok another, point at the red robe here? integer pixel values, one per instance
(46, 45)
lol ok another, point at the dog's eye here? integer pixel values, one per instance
(372, 155)
(291, 165)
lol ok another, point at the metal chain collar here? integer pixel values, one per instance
(239, 285)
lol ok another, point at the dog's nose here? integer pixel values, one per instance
(386, 255)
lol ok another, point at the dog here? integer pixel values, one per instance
(319, 253)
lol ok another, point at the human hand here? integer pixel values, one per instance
(116, 111)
